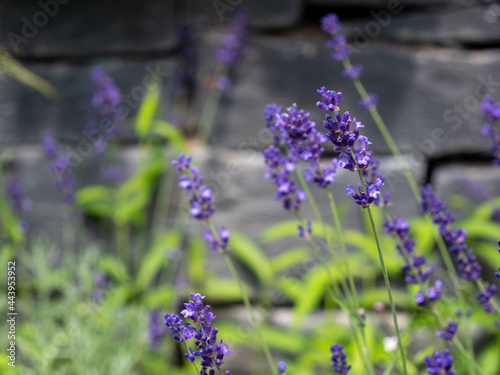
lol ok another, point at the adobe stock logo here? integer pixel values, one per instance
(31, 27)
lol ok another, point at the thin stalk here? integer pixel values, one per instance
(162, 203)
(218, 367)
(210, 106)
(387, 286)
(246, 300)
(414, 188)
(248, 306)
(194, 363)
(122, 242)
(385, 133)
(337, 225)
(335, 292)
(384, 272)
(364, 352)
(481, 286)
(317, 214)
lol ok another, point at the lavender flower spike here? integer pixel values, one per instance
(440, 364)
(200, 196)
(339, 359)
(281, 367)
(208, 349)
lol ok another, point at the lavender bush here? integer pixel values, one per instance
(399, 296)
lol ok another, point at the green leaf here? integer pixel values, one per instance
(156, 258)
(423, 232)
(114, 268)
(288, 229)
(311, 293)
(196, 261)
(278, 231)
(97, 200)
(225, 290)
(170, 133)
(289, 258)
(147, 111)
(283, 339)
(134, 195)
(489, 360)
(481, 229)
(251, 255)
(163, 295)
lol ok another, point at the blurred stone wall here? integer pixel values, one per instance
(430, 61)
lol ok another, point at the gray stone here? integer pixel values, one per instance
(429, 98)
(381, 4)
(473, 25)
(478, 183)
(26, 112)
(83, 28)
(270, 14)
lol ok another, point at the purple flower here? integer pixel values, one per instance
(156, 330)
(368, 103)
(366, 196)
(115, 174)
(270, 116)
(497, 274)
(449, 331)
(491, 113)
(49, 144)
(491, 109)
(432, 294)
(182, 163)
(180, 331)
(485, 297)
(440, 364)
(495, 216)
(201, 196)
(353, 72)
(233, 42)
(339, 359)
(415, 273)
(330, 24)
(217, 245)
(210, 351)
(102, 282)
(19, 203)
(321, 174)
(16, 196)
(60, 167)
(455, 237)
(346, 141)
(337, 44)
(305, 232)
(330, 100)
(106, 96)
(281, 367)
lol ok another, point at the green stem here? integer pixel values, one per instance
(209, 110)
(338, 228)
(386, 134)
(387, 286)
(194, 363)
(162, 203)
(246, 300)
(317, 214)
(122, 242)
(414, 187)
(248, 306)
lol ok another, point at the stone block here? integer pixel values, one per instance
(57, 28)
